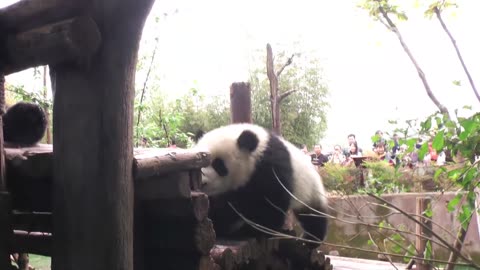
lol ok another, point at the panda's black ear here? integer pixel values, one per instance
(198, 135)
(248, 141)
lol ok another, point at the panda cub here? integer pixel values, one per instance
(24, 124)
(246, 161)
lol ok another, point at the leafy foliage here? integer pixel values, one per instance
(303, 113)
(166, 121)
(19, 93)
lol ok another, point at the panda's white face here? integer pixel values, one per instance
(234, 154)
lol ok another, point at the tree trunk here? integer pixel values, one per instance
(272, 77)
(47, 112)
(275, 96)
(93, 150)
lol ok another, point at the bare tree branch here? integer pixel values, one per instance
(440, 238)
(278, 234)
(289, 62)
(454, 43)
(420, 72)
(286, 94)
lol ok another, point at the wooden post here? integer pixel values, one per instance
(5, 230)
(92, 145)
(240, 103)
(3, 181)
(28, 14)
(422, 204)
(5, 203)
(73, 39)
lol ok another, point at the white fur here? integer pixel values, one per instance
(222, 142)
(308, 185)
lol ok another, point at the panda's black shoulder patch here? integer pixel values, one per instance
(248, 140)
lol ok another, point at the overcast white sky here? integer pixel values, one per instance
(370, 77)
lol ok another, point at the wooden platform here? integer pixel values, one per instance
(30, 174)
(171, 224)
(346, 263)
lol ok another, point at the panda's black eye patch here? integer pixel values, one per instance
(219, 166)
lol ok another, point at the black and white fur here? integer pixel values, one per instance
(244, 159)
(24, 124)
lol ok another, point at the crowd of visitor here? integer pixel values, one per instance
(389, 151)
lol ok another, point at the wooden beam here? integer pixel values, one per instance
(36, 162)
(240, 103)
(36, 243)
(28, 14)
(31, 162)
(30, 173)
(32, 222)
(159, 162)
(73, 39)
(175, 185)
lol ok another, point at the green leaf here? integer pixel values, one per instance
(438, 172)
(468, 125)
(428, 251)
(453, 203)
(397, 249)
(457, 82)
(427, 124)
(423, 151)
(465, 216)
(411, 251)
(411, 143)
(438, 141)
(439, 121)
(463, 135)
(469, 176)
(428, 212)
(397, 237)
(454, 174)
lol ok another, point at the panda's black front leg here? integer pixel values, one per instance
(314, 224)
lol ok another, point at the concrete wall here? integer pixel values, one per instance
(348, 228)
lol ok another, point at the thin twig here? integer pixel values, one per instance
(440, 238)
(286, 94)
(454, 43)
(289, 62)
(281, 235)
(145, 86)
(420, 72)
